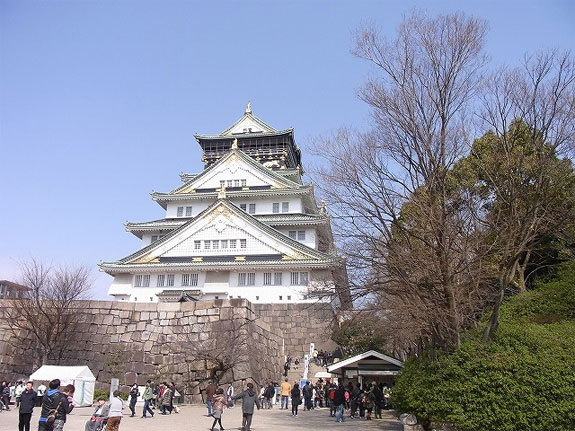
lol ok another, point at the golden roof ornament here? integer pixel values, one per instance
(235, 144)
(249, 108)
(222, 192)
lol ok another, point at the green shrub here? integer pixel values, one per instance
(523, 380)
(101, 393)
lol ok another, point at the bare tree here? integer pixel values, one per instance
(45, 317)
(408, 236)
(530, 188)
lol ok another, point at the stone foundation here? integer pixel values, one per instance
(159, 341)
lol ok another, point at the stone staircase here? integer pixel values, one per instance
(297, 375)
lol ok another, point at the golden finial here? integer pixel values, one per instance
(249, 108)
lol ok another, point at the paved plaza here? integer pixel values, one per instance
(193, 418)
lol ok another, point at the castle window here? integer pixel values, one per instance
(267, 278)
(243, 243)
(216, 244)
(222, 183)
(285, 207)
(276, 207)
(292, 234)
(232, 243)
(244, 183)
(243, 207)
(155, 238)
(207, 244)
(188, 211)
(146, 280)
(170, 280)
(278, 278)
(301, 235)
(252, 209)
(281, 297)
(138, 281)
(257, 298)
(236, 183)
(161, 280)
(180, 212)
(197, 245)
(246, 278)
(189, 279)
(230, 183)
(299, 278)
(224, 243)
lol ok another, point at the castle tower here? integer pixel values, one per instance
(245, 227)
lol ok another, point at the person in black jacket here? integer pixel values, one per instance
(134, 394)
(339, 402)
(54, 400)
(27, 403)
(295, 399)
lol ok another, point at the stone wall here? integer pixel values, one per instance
(299, 325)
(138, 341)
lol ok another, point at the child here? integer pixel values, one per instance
(219, 404)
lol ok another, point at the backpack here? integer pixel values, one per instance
(52, 414)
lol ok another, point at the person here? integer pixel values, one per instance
(269, 394)
(115, 414)
(99, 416)
(339, 401)
(369, 402)
(165, 400)
(229, 396)
(20, 388)
(249, 399)
(332, 406)
(40, 391)
(210, 392)
(296, 364)
(172, 395)
(148, 397)
(286, 368)
(134, 394)
(295, 399)
(285, 393)
(307, 396)
(219, 403)
(378, 400)
(27, 401)
(6, 394)
(58, 401)
(355, 398)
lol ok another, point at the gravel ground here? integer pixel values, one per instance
(193, 418)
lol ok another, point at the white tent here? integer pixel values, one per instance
(81, 377)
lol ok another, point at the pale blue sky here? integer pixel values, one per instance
(99, 100)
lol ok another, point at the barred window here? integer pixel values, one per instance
(146, 280)
(194, 279)
(230, 183)
(285, 207)
(236, 183)
(180, 211)
(170, 280)
(222, 183)
(185, 279)
(252, 209)
(267, 278)
(292, 234)
(243, 207)
(232, 243)
(244, 183)
(216, 244)
(197, 245)
(138, 281)
(278, 278)
(224, 243)
(161, 280)
(301, 235)
(299, 278)
(246, 278)
(207, 244)
(276, 207)
(242, 279)
(243, 243)
(155, 238)
(188, 211)
(251, 278)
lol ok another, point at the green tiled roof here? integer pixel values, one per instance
(256, 165)
(318, 255)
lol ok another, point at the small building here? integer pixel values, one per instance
(11, 290)
(367, 367)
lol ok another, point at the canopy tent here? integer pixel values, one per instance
(323, 375)
(370, 364)
(79, 376)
